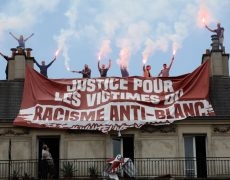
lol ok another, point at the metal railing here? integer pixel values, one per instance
(218, 167)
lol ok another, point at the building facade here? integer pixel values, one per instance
(193, 147)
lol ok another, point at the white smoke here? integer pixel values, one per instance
(105, 49)
(134, 25)
(69, 33)
(152, 46)
(132, 41)
(127, 28)
(125, 52)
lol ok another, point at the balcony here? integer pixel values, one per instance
(144, 168)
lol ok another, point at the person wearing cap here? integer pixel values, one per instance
(165, 71)
(220, 34)
(146, 71)
(43, 67)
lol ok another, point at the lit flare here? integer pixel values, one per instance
(144, 61)
(174, 52)
(57, 52)
(99, 57)
(203, 20)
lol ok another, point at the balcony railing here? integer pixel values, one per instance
(218, 167)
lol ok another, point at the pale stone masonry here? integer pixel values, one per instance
(18, 62)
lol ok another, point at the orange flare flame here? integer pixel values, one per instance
(203, 20)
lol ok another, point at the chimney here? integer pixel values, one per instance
(218, 59)
(18, 61)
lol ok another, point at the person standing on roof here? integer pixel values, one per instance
(220, 34)
(21, 40)
(165, 71)
(124, 70)
(102, 69)
(7, 59)
(43, 67)
(146, 71)
(86, 72)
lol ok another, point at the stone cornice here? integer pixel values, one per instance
(160, 129)
(13, 131)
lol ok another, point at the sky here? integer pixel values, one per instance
(125, 31)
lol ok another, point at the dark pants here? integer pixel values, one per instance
(44, 169)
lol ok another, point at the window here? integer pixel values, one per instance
(123, 146)
(117, 146)
(195, 156)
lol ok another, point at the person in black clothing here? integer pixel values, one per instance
(44, 162)
(124, 70)
(86, 72)
(103, 70)
(43, 67)
(7, 59)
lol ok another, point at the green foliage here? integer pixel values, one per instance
(26, 177)
(93, 171)
(15, 175)
(68, 169)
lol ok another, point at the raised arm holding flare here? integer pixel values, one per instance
(86, 72)
(165, 71)
(103, 70)
(146, 71)
(220, 34)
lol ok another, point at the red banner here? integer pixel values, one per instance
(113, 103)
